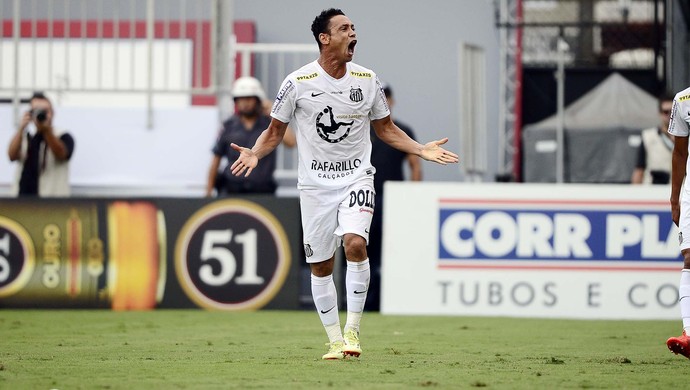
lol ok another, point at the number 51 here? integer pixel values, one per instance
(228, 263)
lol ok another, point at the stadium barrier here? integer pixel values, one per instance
(564, 251)
(137, 254)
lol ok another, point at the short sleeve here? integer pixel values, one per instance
(380, 107)
(677, 124)
(284, 105)
(68, 141)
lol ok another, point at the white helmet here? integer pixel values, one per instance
(248, 87)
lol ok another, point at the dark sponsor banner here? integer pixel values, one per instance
(136, 254)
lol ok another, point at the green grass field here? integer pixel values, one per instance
(194, 349)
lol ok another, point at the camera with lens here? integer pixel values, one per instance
(39, 114)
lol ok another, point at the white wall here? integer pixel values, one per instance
(73, 64)
(116, 154)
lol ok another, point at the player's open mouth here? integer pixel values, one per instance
(351, 47)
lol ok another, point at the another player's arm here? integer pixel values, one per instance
(391, 134)
(265, 144)
(678, 162)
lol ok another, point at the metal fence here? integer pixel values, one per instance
(106, 50)
(143, 53)
(599, 33)
(584, 34)
(271, 63)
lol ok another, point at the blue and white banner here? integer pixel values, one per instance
(572, 251)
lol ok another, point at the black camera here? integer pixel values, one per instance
(39, 114)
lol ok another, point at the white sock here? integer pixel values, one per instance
(326, 300)
(684, 294)
(357, 284)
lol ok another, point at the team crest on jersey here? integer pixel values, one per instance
(356, 94)
(308, 251)
(331, 130)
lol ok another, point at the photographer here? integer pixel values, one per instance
(44, 154)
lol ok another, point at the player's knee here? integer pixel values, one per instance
(355, 248)
(323, 268)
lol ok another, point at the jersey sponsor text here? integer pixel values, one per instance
(335, 166)
(361, 75)
(278, 103)
(307, 77)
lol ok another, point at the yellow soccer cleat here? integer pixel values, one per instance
(335, 351)
(352, 347)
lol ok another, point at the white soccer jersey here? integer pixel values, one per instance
(331, 119)
(679, 123)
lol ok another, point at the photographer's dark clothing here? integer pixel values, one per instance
(387, 160)
(36, 160)
(261, 180)
(389, 163)
(654, 156)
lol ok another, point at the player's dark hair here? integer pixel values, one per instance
(321, 21)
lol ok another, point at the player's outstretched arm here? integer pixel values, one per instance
(433, 151)
(245, 163)
(393, 136)
(265, 144)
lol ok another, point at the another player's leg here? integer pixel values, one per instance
(681, 344)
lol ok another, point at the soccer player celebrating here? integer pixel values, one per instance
(679, 126)
(330, 104)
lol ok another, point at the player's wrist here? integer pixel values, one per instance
(419, 150)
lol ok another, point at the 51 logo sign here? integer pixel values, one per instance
(232, 255)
